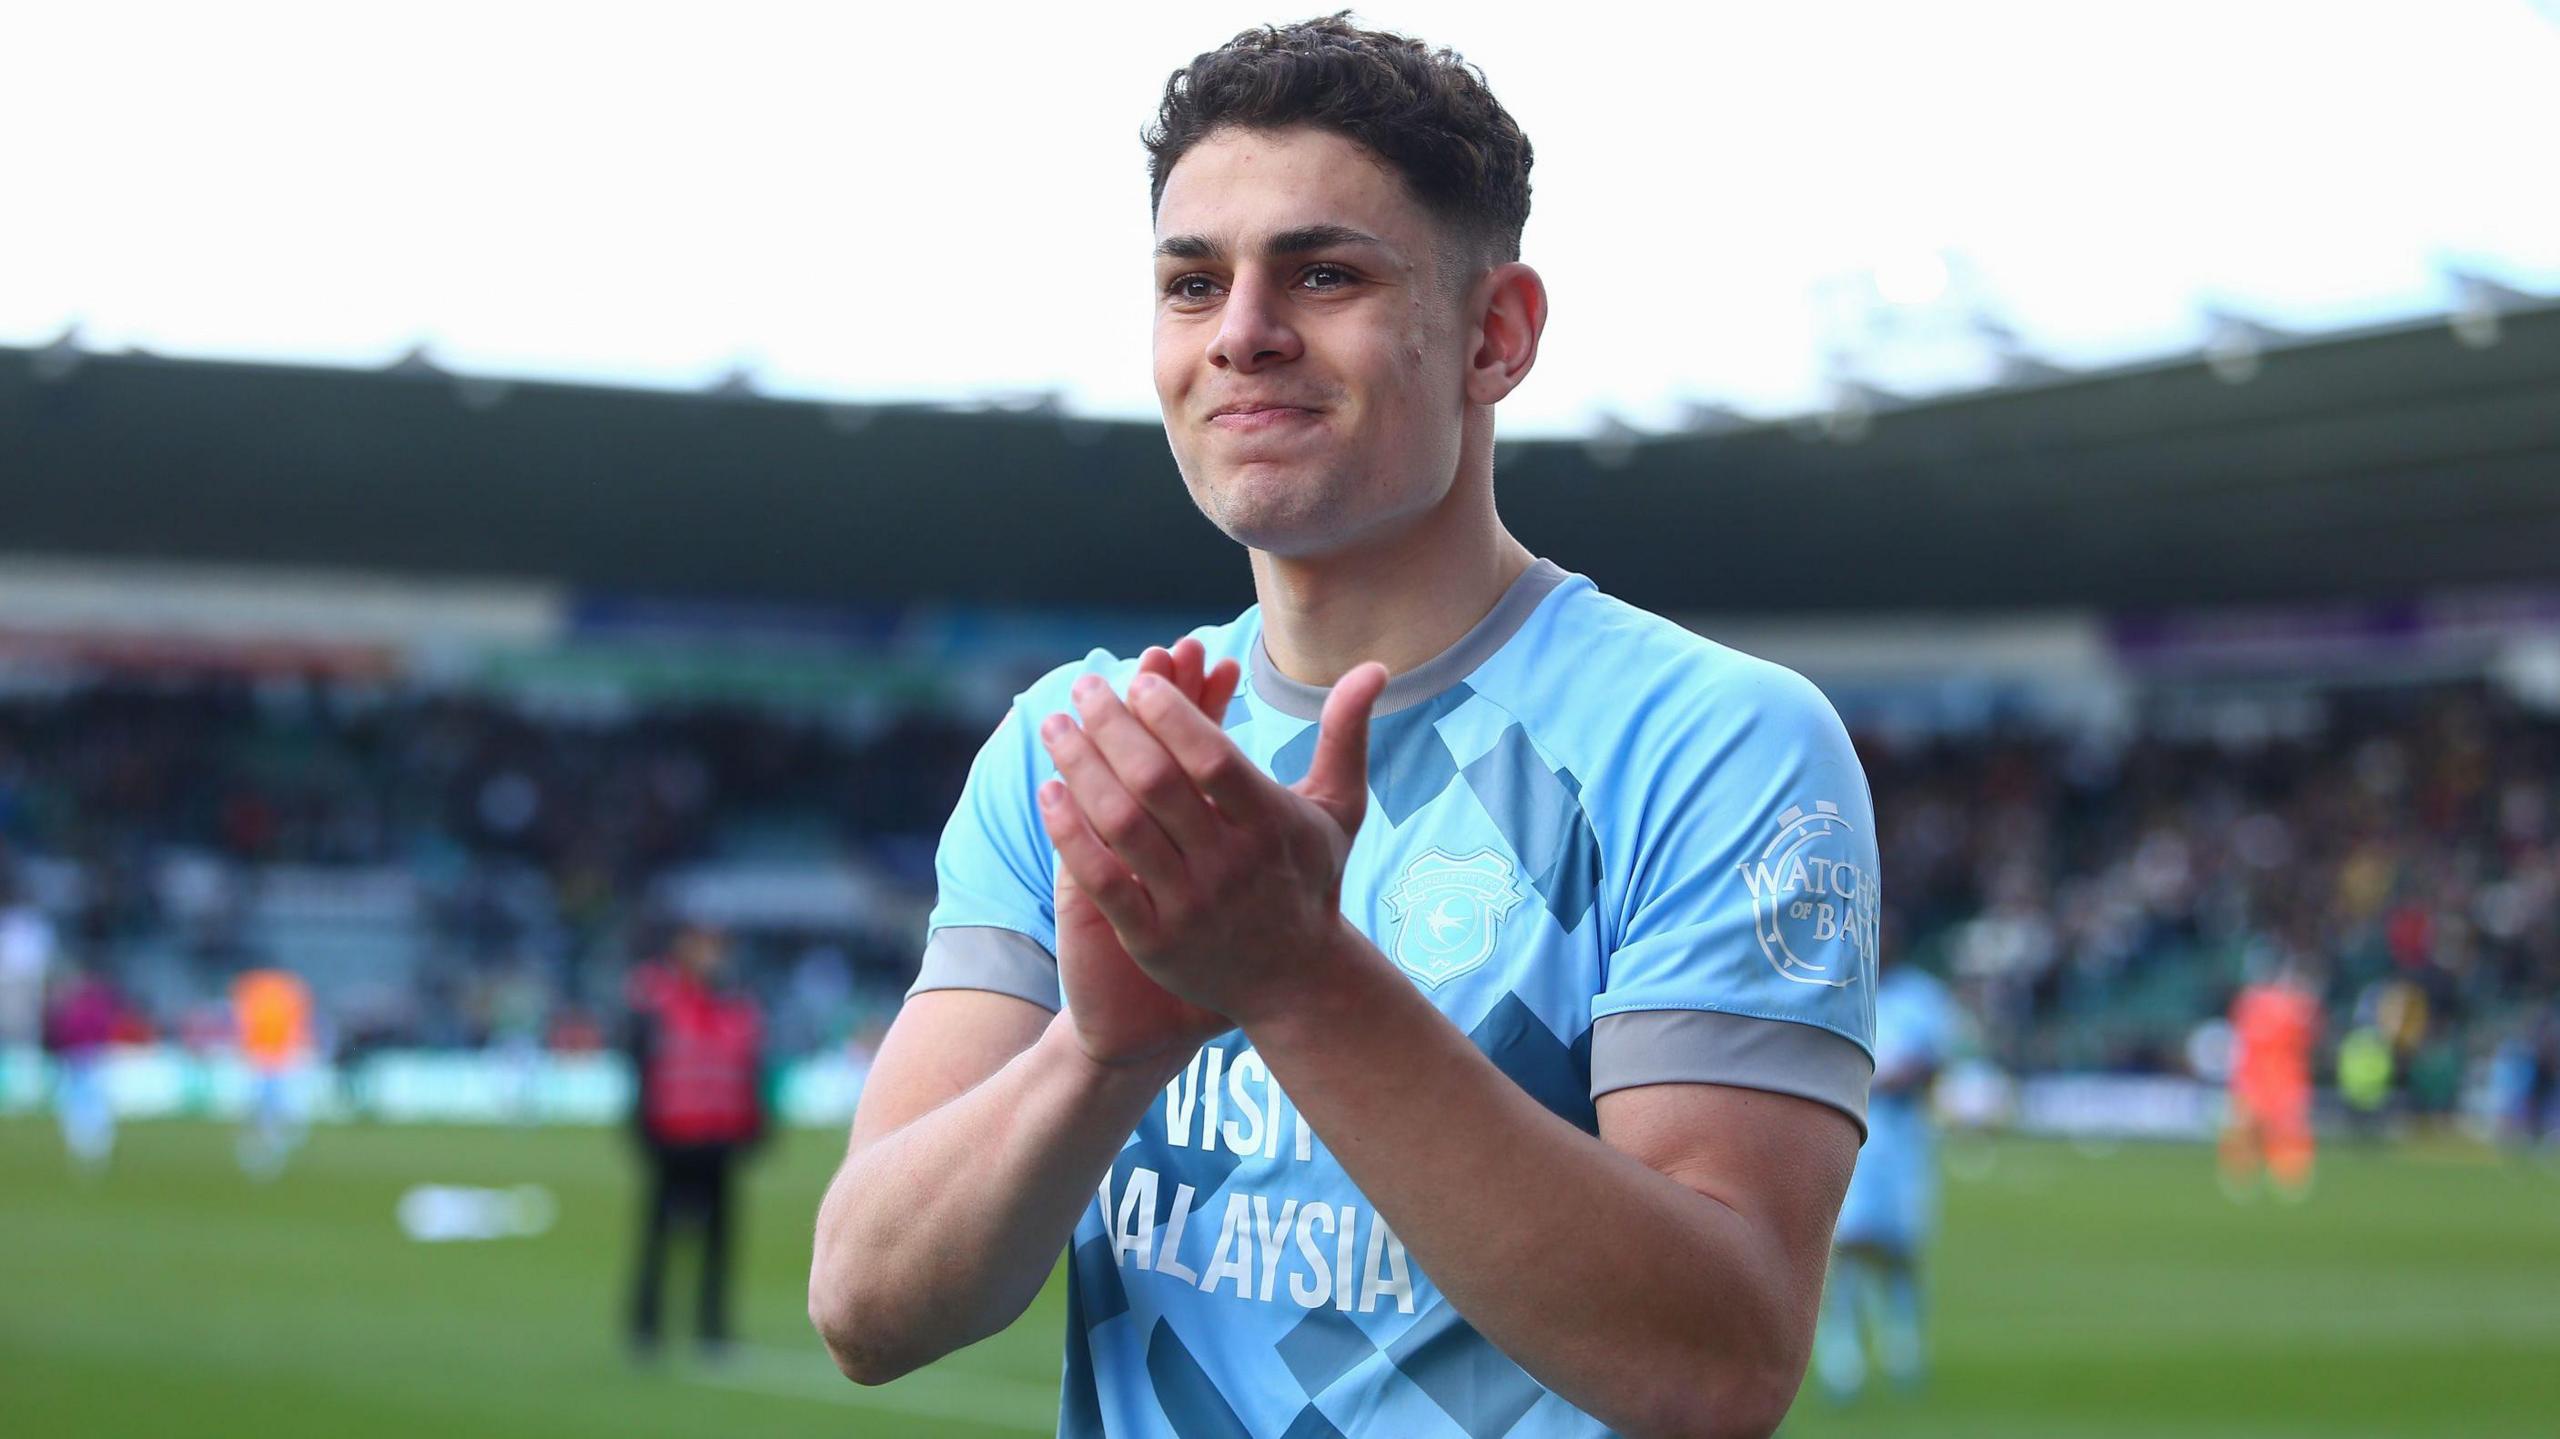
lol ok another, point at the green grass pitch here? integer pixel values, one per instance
(2078, 1295)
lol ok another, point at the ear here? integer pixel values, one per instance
(1511, 312)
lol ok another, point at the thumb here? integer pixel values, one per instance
(1338, 780)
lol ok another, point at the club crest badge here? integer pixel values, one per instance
(1448, 912)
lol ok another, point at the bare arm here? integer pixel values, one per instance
(981, 1135)
(1664, 1277)
(986, 1125)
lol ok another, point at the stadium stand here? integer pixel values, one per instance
(444, 691)
(2346, 466)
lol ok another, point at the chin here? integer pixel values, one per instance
(1288, 542)
(1286, 533)
(1278, 510)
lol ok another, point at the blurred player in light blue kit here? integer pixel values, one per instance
(78, 1030)
(1892, 1206)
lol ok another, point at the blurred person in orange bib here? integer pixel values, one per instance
(2275, 1024)
(272, 1011)
(697, 1052)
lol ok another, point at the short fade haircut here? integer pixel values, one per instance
(1426, 113)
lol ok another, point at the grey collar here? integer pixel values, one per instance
(1306, 701)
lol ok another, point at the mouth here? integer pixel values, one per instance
(1254, 418)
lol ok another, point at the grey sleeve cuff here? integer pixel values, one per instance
(985, 957)
(1704, 1046)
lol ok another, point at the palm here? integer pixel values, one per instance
(1121, 1014)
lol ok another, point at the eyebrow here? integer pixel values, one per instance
(1303, 240)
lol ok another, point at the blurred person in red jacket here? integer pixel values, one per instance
(77, 1030)
(696, 1050)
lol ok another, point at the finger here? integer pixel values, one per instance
(1188, 657)
(1116, 816)
(1244, 795)
(1218, 690)
(1338, 780)
(1156, 661)
(1087, 864)
(1149, 774)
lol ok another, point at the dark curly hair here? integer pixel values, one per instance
(1427, 113)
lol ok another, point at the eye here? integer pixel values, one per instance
(1192, 288)
(1327, 277)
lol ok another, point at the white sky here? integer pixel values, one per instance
(949, 200)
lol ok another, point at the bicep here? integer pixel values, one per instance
(943, 1043)
(1780, 1162)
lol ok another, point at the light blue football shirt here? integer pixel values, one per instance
(1893, 1197)
(1612, 852)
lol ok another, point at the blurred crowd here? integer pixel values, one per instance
(2098, 902)
(156, 829)
(2094, 900)
(320, 773)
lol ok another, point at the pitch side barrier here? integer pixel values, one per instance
(496, 1086)
(492, 1086)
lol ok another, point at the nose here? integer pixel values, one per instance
(1253, 328)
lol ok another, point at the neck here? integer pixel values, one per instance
(1399, 597)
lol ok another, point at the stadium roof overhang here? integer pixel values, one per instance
(2387, 462)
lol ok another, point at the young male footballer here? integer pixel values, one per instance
(1436, 1004)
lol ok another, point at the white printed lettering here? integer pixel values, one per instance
(1232, 1259)
(1307, 1290)
(1245, 1138)
(1217, 1059)
(1393, 1278)
(1181, 1101)
(1342, 1258)
(1135, 1233)
(1271, 1237)
(1168, 1252)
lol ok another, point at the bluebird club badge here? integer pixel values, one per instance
(1448, 912)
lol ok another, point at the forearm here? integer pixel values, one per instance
(1649, 1305)
(940, 1233)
